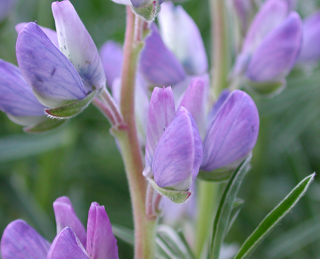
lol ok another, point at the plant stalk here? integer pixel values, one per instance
(127, 137)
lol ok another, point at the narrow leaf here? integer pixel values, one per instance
(72, 109)
(237, 206)
(222, 218)
(273, 218)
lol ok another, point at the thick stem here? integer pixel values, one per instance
(130, 148)
(220, 57)
(208, 192)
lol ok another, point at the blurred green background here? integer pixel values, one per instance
(81, 160)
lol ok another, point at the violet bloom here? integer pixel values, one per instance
(20, 241)
(173, 146)
(229, 131)
(176, 53)
(270, 48)
(310, 52)
(67, 78)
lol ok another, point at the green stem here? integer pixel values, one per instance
(208, 192)
(126, 133)
(220, 48)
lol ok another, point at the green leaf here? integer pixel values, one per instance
(222, 218)
(174, 195)
(72, 109)
(273, 218)
(215, 176)
(44, 126)
(237, 206)
(123, 233)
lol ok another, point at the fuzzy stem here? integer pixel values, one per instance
(126, 135)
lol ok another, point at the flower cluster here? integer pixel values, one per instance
(72, 240)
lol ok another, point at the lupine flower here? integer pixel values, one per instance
(229, 131)
(20, 241)
(5, 8)
(19, 103)
(65, 79)
(173, 146)
(177, 54)
(271, 47)
(310, 52)
(244, 11)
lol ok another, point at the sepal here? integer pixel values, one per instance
(72, 109)
(267, 88)
(219, 175)
(43, 126)
(177, 196)
(149, 11)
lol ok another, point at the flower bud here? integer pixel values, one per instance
(66, 217)
(278, 52)
(101, 242)
(232, 133)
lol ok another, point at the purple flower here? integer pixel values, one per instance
(232, 131)
(173, 148)
(169, 58)
(310, 52)
(19, 240)
(270, 48)
(62, 77)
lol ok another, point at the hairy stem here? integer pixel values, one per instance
(127, 137)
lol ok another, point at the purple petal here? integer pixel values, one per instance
(161, 113)
(66, 217)
(76, 43)
(67, 245)
(51, 34)
(195, 101)
(101, 242)
(310, 51)
(16, 96)
(178, 155)
(20, 241)
(51, 75)
(186, 44)
(233, 132)
(111, 56)
(278, 52)
(223, 96)
(157, 63)
(271, 14)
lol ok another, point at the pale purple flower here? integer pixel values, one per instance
(244, 11)
(173, 147)
(177, 54)
(16, 97)
(60, 77)
(20, 241)
(270, 48)
(232, 131)
(310, 51)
